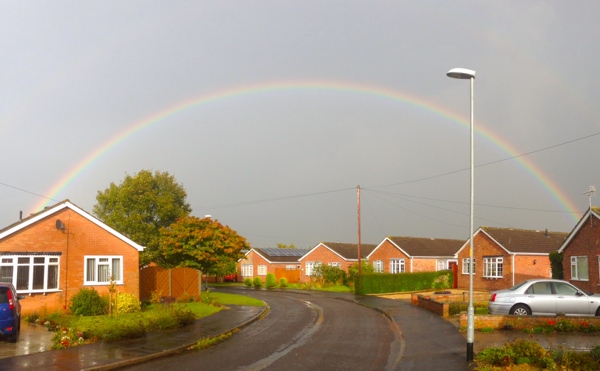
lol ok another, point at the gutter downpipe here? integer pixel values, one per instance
(513, 269)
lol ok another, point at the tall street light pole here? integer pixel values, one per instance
(463, 73)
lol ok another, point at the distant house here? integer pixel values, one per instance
(504, 257)
(257, 262)
(51, 255)
(414, 254)
(581, 249)
(334, 254)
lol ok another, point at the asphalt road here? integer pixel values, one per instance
(300, 332)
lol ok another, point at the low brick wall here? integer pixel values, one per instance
(498, 322)
(440, 303)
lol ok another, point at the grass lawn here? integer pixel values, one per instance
(234, 299)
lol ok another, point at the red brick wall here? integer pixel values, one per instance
(324, 256)
(423, 265)
(531, 266)
(256, 260)
(484, 246)
(585, 243)
(387, 251)
(80, 238)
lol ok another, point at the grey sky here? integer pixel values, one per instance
(75, 74)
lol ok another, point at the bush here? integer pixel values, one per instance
(248, 282)
(329, 275)
(87, 302)
(257, 282)
(156, 297)
(127, 303)
(270, 281)
(283, 282)
(377, 283)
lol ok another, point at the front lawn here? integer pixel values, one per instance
(71, 330)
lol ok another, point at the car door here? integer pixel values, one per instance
(570, 300)
(540, 299)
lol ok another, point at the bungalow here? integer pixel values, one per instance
(334, 254)
(504, 257)
(581, 252)
(51, 255)
(257, 262)
(414, 254)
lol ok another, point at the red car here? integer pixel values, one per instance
(232, 277)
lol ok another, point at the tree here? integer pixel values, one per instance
(140, 206)
(556, 265)
(203, 244)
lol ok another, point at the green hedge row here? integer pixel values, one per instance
(380, 283)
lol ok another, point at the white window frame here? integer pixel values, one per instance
(92, 278)
(465, 266)
(493, 267)
(335, 264)
(247, 270)
(397, 266)
(262, 270)
(47, 263)
(290, 267)
(378, 266)
(575, 271)
(309, 266)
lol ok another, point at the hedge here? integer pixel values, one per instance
(380, 283)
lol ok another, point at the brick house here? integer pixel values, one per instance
(257, 262)
(335, 254)
(581, 251)
(414, 254)
(504, 257)
(51, 255)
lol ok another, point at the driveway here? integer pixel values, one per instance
(33, 339)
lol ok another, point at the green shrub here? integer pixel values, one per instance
(377, 283)
(248, 282)
(87, 302)
(329, 275)
(127, 303)
(257, 282)
(270, 280)
(283, 282)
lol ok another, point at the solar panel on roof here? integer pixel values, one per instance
(275, 251)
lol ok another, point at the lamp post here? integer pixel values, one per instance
(463, 73)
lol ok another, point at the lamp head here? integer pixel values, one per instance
(461, 73)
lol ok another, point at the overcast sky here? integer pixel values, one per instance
(285, 107)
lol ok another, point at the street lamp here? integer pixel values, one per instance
(463, 73)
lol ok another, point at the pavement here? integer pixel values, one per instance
(425, 335)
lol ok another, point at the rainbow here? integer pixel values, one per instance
(332, 86)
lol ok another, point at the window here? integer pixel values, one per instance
(35, 273)
(396, 266)
(262, 270)
(98, 270)
(290, 267)
(378, 266)
(465, 266)
(579, 268)
(247, 270)
(335, 264)
(493, 267)
(310, 266)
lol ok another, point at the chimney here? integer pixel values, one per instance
(547, 233)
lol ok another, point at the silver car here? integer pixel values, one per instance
(544, 297)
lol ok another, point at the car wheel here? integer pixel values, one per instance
(234, 280)
(598, 312)
(520, 310)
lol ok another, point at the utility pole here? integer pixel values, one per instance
(359, 254)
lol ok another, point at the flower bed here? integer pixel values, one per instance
(441, 302)
(533, 324)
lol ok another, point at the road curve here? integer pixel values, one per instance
(300, 332)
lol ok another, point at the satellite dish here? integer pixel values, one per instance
(60, 225)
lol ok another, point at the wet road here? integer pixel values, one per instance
(300, 332)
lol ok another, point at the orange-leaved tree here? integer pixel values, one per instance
(199, 243)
